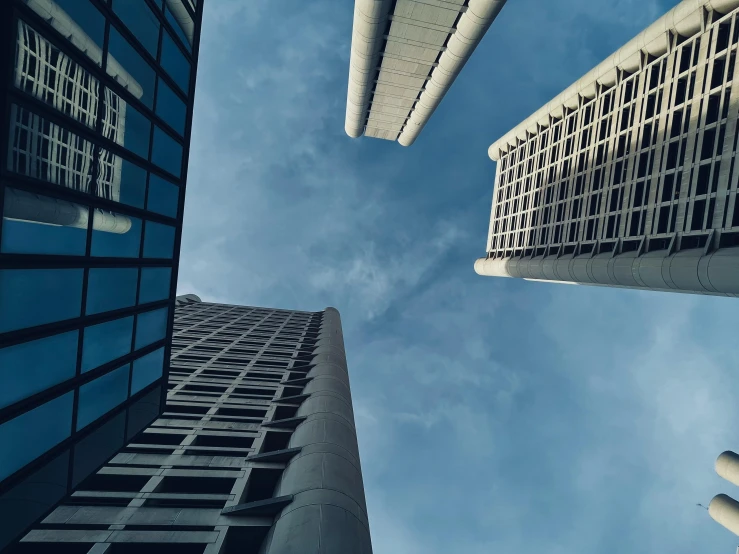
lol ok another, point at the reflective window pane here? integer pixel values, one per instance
(31, 297)
(158, 240)
(77, 20)
(48, 74)
(177, 26)
(105, 342)
(174, 62)
(103, 394)
(140, 21)
(35, 224)
(151, 327)
(131, 183)
(43, 150)
(146, 370)
(138, 129)
(49, 424)
(115, 235)
(111, 289)
(155, 283)
(129, 69)
(166, 152)
(31, 367)
(170, 108)
(163, 196)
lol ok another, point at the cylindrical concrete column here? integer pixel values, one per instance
(690, 270)
(727, 466)
(328, 514)
(725, 510)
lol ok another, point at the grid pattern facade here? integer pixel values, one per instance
(416, 36)
(202, 477)
(645, 164)
(95, 112)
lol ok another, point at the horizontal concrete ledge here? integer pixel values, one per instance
(288, 423)
(298, 382)
(279, 456)
(292, 399)
(269, 507)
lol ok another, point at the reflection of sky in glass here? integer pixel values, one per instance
(111, 289)
(166, 153)
(105, 342)
(177, 29)
(133, 184)
(138, 128)
(151, 327)
(29, 237)
(42, 363)
(84, 14)
(146, 370)
(163, 196)
(36, 296)
(48, 425)
(155, 283)
(175, 63)
(141, 22)
(102, 395)
(170, 108)
(158, 240)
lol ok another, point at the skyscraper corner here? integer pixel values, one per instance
(405, 56)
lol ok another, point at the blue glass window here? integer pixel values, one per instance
(158, 240)
(138, 128)
(103, 394)
(151, 327)
(35, 224)
(140, 21)
(170, 108)
(111, 289)
(31, 367)
(88, 18)
(166, 152)
(115, 235)
(174, 62)
(155, 283)
(47, 425)
(146, 370)
(130, 70)
(177, 28)
(105, 342)
(163, 196)
(132, 184)
(31, 297)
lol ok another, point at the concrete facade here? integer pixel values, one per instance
(627, 178)
(405, 56)
(255, 453)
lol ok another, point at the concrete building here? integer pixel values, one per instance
(628, 177)
(255, 453)
(94, 140)
(405, 55)
(723, 509)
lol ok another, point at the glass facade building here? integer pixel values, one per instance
(628, 178)
(255, 452)
(95, 115)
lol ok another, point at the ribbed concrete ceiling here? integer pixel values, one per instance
(405, 56)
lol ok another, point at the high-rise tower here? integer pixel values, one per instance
(628, 177)
(405, 56)
(255, 453)
(96, 106)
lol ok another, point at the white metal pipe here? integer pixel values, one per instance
(727, 466)
(370, 21)
(684, 19)
(471, 28)
(725, 511)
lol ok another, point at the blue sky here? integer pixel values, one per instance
(494, 415)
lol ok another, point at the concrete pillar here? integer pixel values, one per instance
(328, 514)
(727, 466)
(692, 270)
(725, 510)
